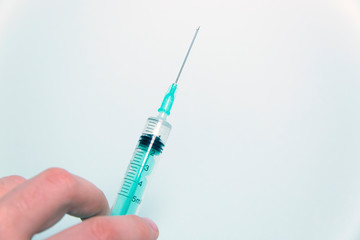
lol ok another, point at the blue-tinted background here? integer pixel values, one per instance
(266, 136)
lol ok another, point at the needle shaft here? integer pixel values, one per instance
(187, 54)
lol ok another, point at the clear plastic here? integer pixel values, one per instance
(147, 152)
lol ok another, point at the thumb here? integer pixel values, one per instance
(111, 228)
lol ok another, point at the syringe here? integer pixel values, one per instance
(147, 152)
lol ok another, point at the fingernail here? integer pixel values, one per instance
(151, 224)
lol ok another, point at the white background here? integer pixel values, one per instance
(266, 138)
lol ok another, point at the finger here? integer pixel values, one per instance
(111, 228)
(43, 200)
(8, 183)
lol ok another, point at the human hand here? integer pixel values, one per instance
(30, 206)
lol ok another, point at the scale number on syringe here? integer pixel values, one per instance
(136, 200)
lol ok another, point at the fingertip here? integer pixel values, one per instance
(17, 179)
(12, 180)
(152, 225)
(9, 183)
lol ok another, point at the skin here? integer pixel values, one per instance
(30, 206)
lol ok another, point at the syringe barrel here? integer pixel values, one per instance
(146, 154)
